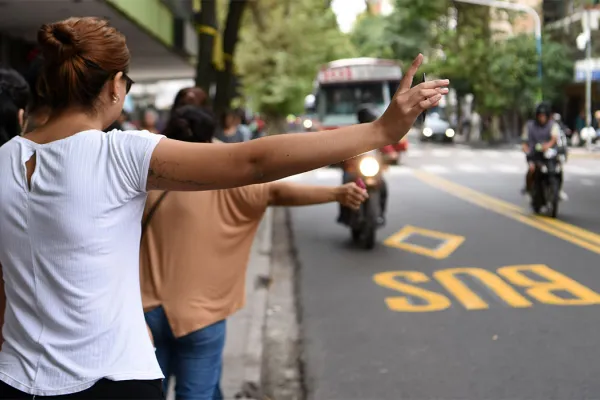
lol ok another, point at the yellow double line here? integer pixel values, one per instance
(570, 233)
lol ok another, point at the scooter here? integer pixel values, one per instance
(547, 181)
(366, 170)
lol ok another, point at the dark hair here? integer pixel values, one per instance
(14, 96)
(80, 55)
(366, 113)
(32, 76)
(543, 108)
(194, 96)
(225, 114)
(191, 124)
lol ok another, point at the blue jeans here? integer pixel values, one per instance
(195, 360)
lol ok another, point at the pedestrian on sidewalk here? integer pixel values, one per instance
(14, 98)
(194, 252)
(194, 96)
(231, 129)
(72, 201)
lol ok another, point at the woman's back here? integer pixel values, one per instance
(70, 239)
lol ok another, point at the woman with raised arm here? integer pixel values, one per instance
(72, 199)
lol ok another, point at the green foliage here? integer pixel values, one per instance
(370, 37)
(512, 82)
(413, 25)
(278, 65)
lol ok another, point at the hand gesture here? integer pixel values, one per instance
(408, 103)
(350, 195)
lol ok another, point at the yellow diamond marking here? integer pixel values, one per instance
(449, 243)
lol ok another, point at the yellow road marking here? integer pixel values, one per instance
(450, 242)
(567, 232)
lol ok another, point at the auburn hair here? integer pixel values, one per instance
(80, 56)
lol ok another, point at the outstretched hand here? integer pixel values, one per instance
(350, 195)
(409, 102)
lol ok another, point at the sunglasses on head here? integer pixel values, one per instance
(128, 81)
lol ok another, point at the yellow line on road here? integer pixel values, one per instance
(562, 230)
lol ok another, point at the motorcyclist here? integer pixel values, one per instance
(542, 130)
(367, 113)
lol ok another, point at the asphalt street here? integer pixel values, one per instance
(466, 295)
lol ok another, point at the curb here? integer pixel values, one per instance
(253, 355)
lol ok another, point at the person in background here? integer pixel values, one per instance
(232, 130)
(14, 99)
(190, 96)
(72, 200)
(194, 252)
(150, 121)
(38, 111)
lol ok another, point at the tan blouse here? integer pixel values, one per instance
(195, 251)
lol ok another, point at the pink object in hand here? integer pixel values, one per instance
(360, 183)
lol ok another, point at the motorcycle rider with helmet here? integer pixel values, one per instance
(367, 113)
(542, 130)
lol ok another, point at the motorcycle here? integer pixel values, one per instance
(366, 170)
(547, 181)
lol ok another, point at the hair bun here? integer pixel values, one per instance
(58, 42)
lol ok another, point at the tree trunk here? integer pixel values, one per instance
(206, 26)
(230, 39)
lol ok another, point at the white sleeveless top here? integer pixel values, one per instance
(69, 250)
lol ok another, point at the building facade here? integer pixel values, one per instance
(160, 33)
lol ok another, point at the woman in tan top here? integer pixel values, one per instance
(194, 253)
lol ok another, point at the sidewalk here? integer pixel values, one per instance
(242, 363)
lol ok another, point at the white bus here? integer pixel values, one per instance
(342, 85)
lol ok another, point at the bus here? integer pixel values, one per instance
(342, 85)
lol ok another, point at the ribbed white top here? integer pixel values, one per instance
(69, 250)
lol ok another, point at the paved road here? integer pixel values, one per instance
(470, 297)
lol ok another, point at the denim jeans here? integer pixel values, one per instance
(195, 360)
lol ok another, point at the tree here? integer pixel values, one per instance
(512, 82)
(207, 28)
(369, 36)
(230, 40)
(279, 63)
(411, 27)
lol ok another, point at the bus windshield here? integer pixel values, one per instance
(343, 99)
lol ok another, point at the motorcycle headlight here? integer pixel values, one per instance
(450, 133)
(369, 166)
(427, 132)
(307, 123)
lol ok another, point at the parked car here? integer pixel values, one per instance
(436, 127)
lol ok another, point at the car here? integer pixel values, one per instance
(436, 127)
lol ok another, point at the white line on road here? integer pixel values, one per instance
(414, 153)
(577, 170)
(508, 169)
(466, 153)
(492, 153)
(395, 170)
(470, 168)
(441, 153)
(435, 169)
(587, 182)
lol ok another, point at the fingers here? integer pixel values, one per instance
(430, 102)
(407, 80)
(422, 94)
(437, 83)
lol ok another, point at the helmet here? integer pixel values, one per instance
(367, 113)
(543, 108)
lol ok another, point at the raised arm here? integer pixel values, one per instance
(189, 166)
(294, 194)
